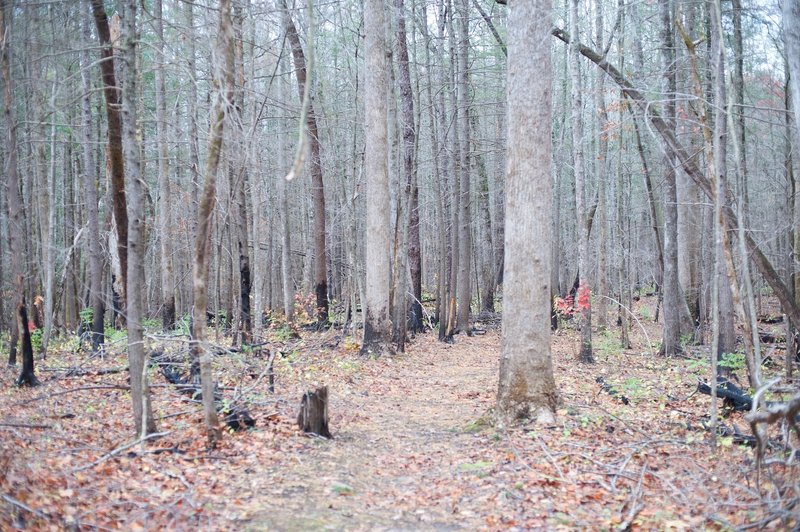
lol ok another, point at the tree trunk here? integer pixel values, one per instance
(409, 170)
(115, 157)
(140, 394)
(527, 388)
(671, 285)
(791, 36)
(27, 377)
(165, 221)
(464, 216)
(315, 166)
(16, 230)
(223, 95)
(600, 173)
(583, 299)
(377, 325)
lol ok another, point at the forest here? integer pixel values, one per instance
(400, 265)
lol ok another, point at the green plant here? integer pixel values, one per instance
(36, 340)
(86, 316)
(732, 361)
(633, 387)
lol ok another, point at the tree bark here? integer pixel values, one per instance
(671, 285)
(164, 193)
(320, 273)
(140, 393)
(583, 297)
(409, 169)
(464, 216)
(16, 229)
(223, 96)
(526, 386)
(377, 325)
(115, 157)
(96, 298)
(600, 173)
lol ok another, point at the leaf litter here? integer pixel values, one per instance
(413, 446)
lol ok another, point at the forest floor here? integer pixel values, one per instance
(411, 445)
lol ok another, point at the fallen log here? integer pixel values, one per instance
(733, 396)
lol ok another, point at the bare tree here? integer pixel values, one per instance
(90, 192)
(317, 183)
(223, 98)
(527, 388)
(582, 299)
(409, 168)
(115, 157)
(377, 324)
(16, 229)
(140, 393)
(164, 194)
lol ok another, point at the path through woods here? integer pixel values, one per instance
(401, 455)
(409, 448)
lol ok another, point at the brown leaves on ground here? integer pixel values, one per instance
(411, 450)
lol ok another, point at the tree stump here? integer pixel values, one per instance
(313, 416)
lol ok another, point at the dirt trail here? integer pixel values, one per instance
(401, 431)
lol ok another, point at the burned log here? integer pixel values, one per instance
(733, 396)
(610, 390)
(313, 416)
(235, 417)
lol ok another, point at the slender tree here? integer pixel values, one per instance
(223, 96)
(140, 393)
(583, 299)
(165, 213)
(315, 167)
(409, 168)
(115, 158)
(97, 300)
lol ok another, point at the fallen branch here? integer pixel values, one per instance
(23, 425)
(119, 450)
(22, 506)
(72, 390)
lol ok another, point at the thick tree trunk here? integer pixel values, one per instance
(164, 193)
(583, 299)
(223, 95)
(671, 285)
(526, 387)
(16, 230)
(377, 325)
(140, 394)
(115, 157)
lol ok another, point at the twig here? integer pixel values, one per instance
(72, 390)
(120, 449)
(24, 425)
(635, 506)
(21, 505)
